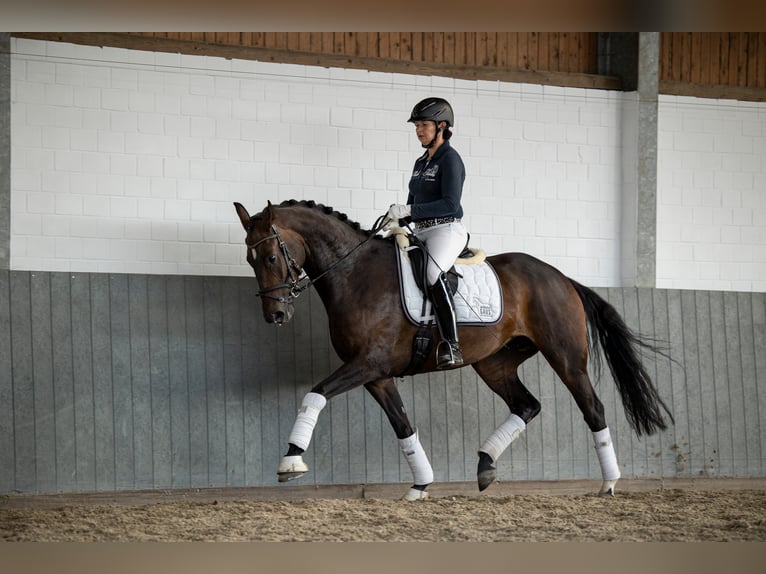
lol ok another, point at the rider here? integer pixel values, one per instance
(433, 204)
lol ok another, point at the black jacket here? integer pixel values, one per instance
(436, 186)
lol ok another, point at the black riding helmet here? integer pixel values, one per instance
(435, 110)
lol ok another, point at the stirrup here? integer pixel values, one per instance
(449, 357)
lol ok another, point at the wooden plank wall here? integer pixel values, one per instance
(736, 59)
(544, 51)
(121, 382)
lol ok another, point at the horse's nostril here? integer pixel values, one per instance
(278, 317)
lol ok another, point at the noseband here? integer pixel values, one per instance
(293, 282)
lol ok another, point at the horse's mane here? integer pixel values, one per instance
(326, 210)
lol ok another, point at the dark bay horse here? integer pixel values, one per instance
(355, 275)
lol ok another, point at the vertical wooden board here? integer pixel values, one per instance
(82, 368)
(417, 46)
(341, 444)
(470, 48)
(196, 369)
(361, 43)
(23, 383)
(252, 332)
(695, 63)
(178, 386)
(695, 462)
(759, 338)
(761, 58)
(449, 48)
(708, 463)
(141, 381)
(7, 451)
(704, 57)
(648, 464)
(122, 403)
(543, 45)
(532, 50)
(736, 387)
(455, 432)
(63, 381)
(749, 384)
(44, 398)
(744, 60)
(214, 381)
(357, 456)
(373, 441)
(438, 427)
(681, 380)
(734, 61)
(468, 397)
(233, 376)
(722, 398)
(159, 382)
(664, 457)
(103, 394)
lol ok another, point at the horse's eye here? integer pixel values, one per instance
(272, 258)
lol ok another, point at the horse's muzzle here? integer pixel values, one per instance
(279, 316)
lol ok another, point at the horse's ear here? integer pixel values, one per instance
(244, 216)
(270, 210)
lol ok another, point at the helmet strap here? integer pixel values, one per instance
(439, 129)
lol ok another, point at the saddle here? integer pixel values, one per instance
(476, 291)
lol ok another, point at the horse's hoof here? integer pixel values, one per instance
(485, 478)
(291, 467)
(415, 494)
(607, 489)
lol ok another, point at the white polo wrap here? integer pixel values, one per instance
(413, 452)
(606, 457)
(503, 436)
(308, 414)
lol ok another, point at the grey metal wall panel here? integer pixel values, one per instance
(130, 381)
(7, 450)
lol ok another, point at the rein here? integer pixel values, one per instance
(293, 283)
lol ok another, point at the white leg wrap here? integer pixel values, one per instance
(308, 414)
(606, 457)
(503, 436)
(422, 473)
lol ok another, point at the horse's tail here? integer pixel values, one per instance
(607, 330)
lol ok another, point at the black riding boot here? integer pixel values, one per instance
(448, 350)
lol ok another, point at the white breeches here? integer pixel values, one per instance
(444, 243)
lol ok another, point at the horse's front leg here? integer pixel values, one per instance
(348, 376)
(387, 395)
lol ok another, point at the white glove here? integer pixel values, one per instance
(397, 212)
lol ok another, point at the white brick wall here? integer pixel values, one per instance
(711, 194)
(128, 161)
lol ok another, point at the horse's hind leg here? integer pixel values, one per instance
(572, 370)
(500, 372)
(386, 394)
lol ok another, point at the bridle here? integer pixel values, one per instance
(295, 273)
(297, 281)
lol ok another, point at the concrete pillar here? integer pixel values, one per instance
(638, 209)
(5, 150)
(646, 215)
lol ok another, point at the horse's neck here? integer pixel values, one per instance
(327, 244)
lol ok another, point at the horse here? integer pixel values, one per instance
(354, 272)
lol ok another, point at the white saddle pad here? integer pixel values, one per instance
(478, 300)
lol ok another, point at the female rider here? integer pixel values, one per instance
(433, 205)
